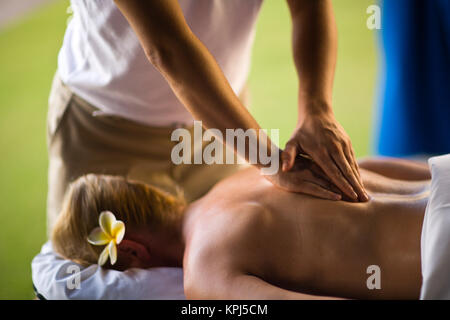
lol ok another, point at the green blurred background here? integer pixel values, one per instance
(29, 49)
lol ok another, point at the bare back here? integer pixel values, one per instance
(304, 244)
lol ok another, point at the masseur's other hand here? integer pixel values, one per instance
(305, 177)
(323, 139)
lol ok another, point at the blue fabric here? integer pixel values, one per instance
(414, 89)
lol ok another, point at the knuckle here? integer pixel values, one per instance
(335, 148)
(291, 143)
(338, 173)
(285, 155)
(336, 177)
(348, 171)
(322, 151)
(348, 144)
(340, 141)
(336, 156)
(310, 176)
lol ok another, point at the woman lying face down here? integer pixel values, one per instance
(152, 220)
(246, 239)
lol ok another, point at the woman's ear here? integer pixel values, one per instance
(132, 254)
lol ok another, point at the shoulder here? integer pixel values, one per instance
(223, 243)
(226, 227)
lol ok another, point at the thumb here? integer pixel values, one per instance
(288, 156)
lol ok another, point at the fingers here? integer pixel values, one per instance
(315, 190)
(341, 160)
(328, 165)
(351, 158)
(320, 178)
(324, 183)
(305, 181)
(288, 156)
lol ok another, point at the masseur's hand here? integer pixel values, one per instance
(323, 139)
(305, 177)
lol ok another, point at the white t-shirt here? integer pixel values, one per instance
(102, 61)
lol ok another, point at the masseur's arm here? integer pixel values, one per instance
(197, 80)
(318, 133)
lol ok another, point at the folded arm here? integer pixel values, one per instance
(400, 169)
(243, 287)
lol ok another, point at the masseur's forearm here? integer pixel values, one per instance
(314, 45)
(318, 133)
(199, 83)
(188, 66)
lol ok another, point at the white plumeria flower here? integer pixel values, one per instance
(110, 233)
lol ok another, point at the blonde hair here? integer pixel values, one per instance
(132, 202)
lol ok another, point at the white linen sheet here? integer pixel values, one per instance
(58, 278)
(435, 241)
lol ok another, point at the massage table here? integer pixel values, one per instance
(54, 277)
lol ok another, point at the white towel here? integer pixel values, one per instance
(57, 278)
(435, 242)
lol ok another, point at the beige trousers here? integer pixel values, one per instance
(80, 143)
